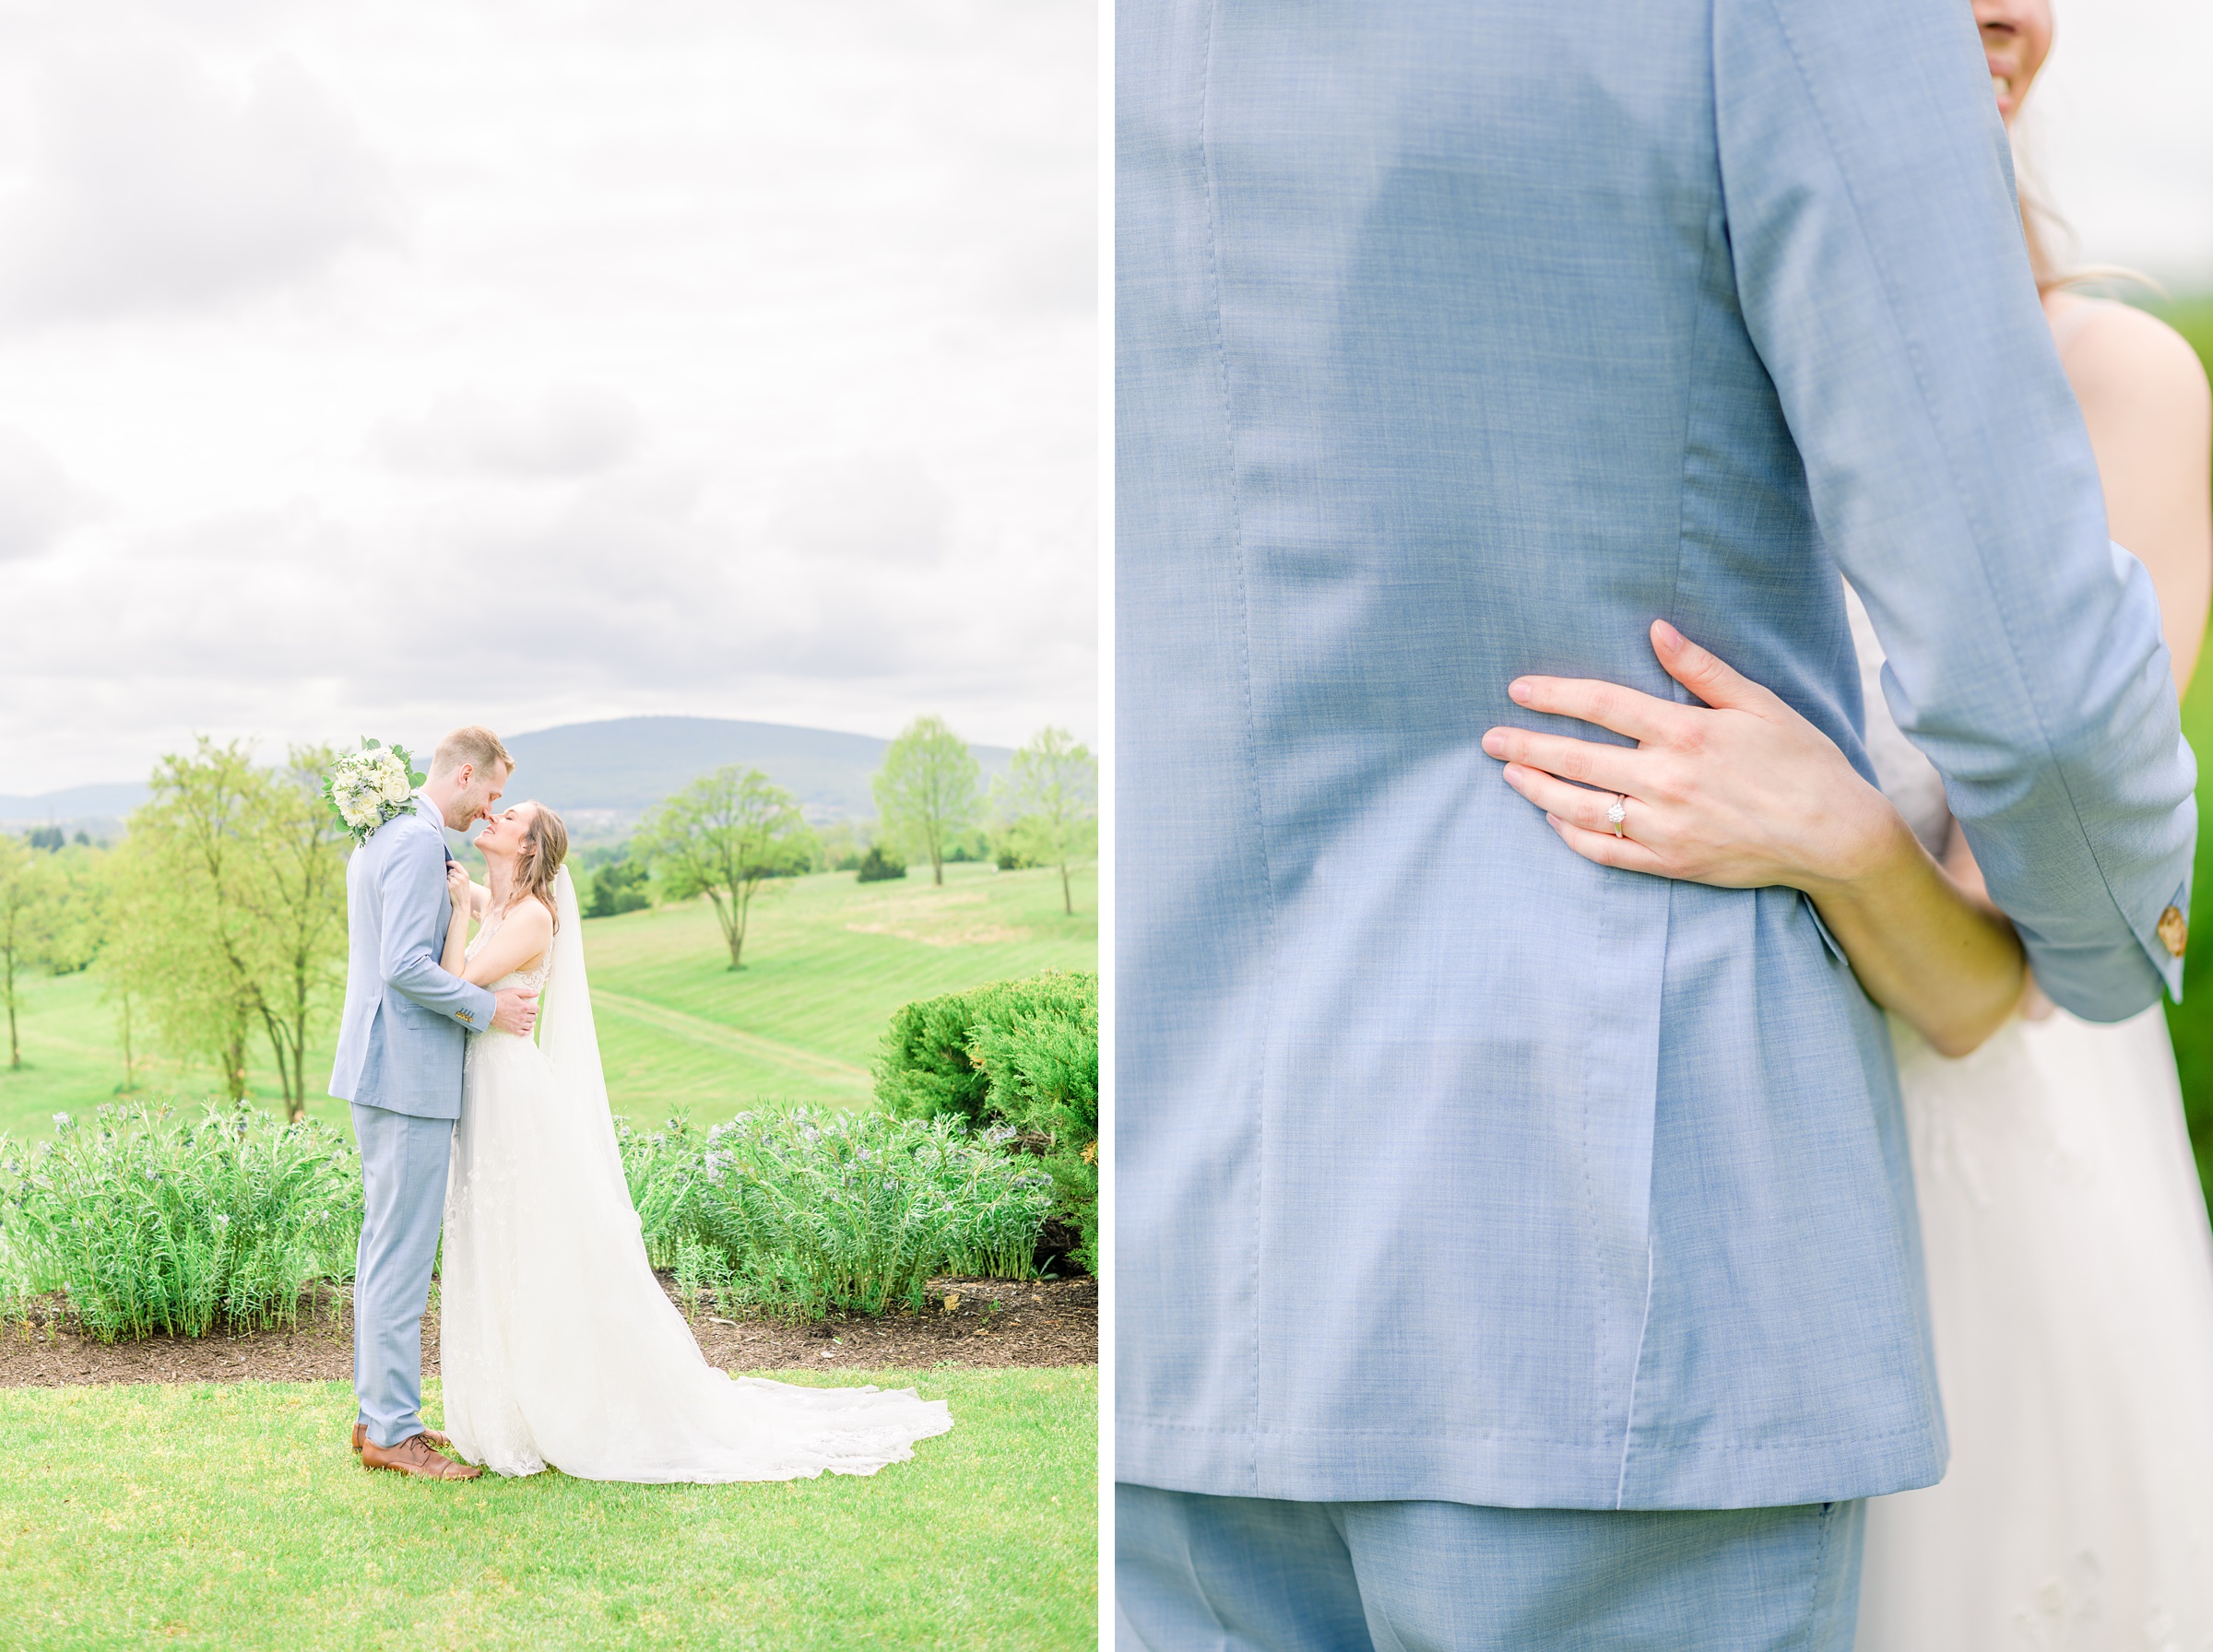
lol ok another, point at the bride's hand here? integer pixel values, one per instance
(457, 888)
(1741, 792)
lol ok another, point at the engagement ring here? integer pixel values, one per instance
(1616, 812)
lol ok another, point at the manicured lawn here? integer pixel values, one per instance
(827, 961)
(232, 1516)
(2191, 1022)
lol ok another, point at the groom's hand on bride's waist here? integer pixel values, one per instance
(516, 1011)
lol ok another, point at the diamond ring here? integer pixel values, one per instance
(1616, 812)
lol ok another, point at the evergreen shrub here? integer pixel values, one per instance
(618, 887)
(877, 867)
(1015, 1057)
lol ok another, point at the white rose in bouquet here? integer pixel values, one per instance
(368, 788)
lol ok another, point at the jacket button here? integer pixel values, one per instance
(2174, 932)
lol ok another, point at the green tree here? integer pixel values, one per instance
(231, 906)
(77, 923)
(618, 886)
(929, 790)
(1050, 800)
(294, 891)
(26, 898)
(722, 836)
(185, 855)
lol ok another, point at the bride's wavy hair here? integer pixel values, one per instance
(538, 862)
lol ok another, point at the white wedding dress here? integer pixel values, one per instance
(2070, 1272)
(559, 1346)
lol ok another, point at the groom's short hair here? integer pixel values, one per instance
(473, 744)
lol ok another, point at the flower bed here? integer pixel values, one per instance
(144, 1220)
(806, 1211)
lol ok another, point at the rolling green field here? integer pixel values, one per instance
(827, 961)
(232, 1516)
(2191, 1022)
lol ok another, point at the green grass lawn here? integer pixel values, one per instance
(2191, 1022)
(232, 1516)
(827, 961)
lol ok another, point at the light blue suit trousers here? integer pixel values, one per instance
(403, 1164)
(1198, 1573)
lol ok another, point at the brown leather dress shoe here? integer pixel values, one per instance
(416, 1456)
(360, 1438)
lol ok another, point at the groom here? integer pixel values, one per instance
(1515, 1252)
(400, 1048)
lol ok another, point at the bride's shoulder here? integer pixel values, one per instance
(529, 920)
(2121, 359)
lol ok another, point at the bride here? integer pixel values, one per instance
(558, 1345)
(2070, 1265)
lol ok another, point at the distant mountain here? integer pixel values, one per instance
(626, 765)
(96, 809)
(607, 773)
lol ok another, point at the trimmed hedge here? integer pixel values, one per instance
(1016, 1056)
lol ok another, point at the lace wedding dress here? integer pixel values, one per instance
(558, 1345)
(2070, 1272)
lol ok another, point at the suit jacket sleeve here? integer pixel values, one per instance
(415, 907)
(1875, 235)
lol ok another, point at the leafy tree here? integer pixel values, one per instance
(876, 866)
(230, 902)
(295, 891)
(929, 789)
(722, 836)
(45, 837)
(1050, 801)
(76, 922)
(26, 883)
(618, 886)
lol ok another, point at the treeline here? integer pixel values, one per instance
(217, 924)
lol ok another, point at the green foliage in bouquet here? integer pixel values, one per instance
(1018, 1055)
(145, 1220)
(805, 1212)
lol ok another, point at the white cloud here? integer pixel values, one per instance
(736, 362)
(155, 184)
(569, 431)
(38, 501)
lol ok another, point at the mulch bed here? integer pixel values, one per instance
(993, 1323)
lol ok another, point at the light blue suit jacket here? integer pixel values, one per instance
(1463, 338)
(402, 1039)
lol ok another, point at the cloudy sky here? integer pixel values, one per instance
(367, 368)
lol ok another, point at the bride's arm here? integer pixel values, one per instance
(1744, 793)
(453, 961)
(523, 936)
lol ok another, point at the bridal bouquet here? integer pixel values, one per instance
(370, 787)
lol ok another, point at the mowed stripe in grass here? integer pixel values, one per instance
(232, 1516)
(828, 960)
